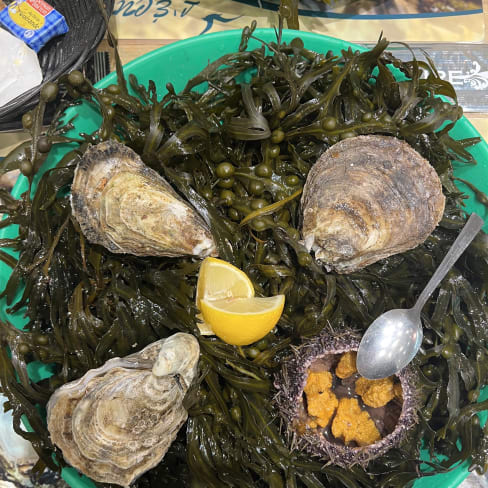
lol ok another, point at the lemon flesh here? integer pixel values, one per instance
(219, 279)
(242, 321)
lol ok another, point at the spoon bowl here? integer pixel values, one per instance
(390, 343)
(395, 337)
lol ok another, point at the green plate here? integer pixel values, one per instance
(177, 63)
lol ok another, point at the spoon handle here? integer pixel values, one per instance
(471, 228)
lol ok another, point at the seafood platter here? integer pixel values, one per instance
(197, 245)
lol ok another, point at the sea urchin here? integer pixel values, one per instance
(334, 414)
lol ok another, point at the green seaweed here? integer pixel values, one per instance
(84, 305)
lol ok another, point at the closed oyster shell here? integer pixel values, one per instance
(366, 198)
(127, 207)
(118, 421)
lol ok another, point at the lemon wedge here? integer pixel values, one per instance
(219, 279)
(242, 321)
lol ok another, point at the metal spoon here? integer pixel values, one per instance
(394, 338)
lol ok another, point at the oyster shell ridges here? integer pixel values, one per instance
(118, 421)
(366, 198)
(127, 207)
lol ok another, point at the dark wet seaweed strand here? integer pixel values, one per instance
(86, 305)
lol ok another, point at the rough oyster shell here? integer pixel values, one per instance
(118, 421)
(366, 198)
(127, 207)
(290, 384)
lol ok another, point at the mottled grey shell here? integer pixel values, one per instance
(290, 383)
(118, 421)
(366, 198)
(127, 207)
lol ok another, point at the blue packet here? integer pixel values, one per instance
(33, 21)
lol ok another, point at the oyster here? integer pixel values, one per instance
(366, 198)
(127, 207)
(327, 410)
(118, 421)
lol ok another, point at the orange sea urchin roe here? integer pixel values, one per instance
(353, 424)
(318, 382)
(322, 406)
(321, 402)
(347, 365)
(375, 393)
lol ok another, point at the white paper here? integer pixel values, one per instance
(19, 68)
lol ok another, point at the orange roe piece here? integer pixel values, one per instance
(321, 402)
(353, 424)
(312, 424)
(318, 382)
(322, 407)
(347, 365)
(375, 393)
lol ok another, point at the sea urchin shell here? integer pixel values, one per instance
(323, 353)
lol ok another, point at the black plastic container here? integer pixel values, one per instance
(61, 54)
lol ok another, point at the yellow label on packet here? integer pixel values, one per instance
(33, 21)
(25, 16)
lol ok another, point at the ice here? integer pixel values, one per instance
(19, 68)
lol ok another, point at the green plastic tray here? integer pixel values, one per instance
(177, 63)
